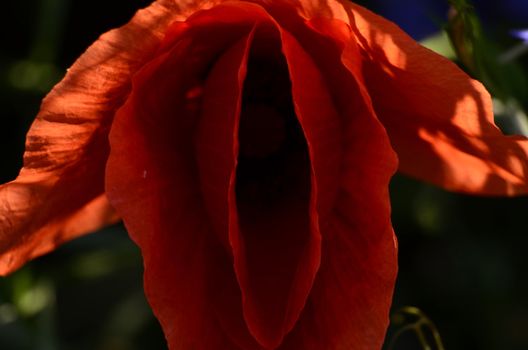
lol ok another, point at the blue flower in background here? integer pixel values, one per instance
(521, 34)
(421, 18)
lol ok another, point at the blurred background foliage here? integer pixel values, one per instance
(463, 260)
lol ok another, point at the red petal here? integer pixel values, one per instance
(440, 121)
(59, 192)
(166, 200)
(349, 303)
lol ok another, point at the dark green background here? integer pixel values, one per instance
(463, 260)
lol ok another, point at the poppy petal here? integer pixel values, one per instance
(439, 120)
(349, 303)
(58, 194)
(170, 200)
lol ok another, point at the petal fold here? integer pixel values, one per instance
(274, 230)
(349, 302)
(165, 139)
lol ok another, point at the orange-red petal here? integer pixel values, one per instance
(174, 198)
(350, 299)
(440, 121)
(59, 193)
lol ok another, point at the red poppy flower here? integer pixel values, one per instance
(248, 148)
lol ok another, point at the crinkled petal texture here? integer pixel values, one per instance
(249, 166)
(59, 193)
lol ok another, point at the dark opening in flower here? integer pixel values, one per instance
(273, 162)
(272, 192)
